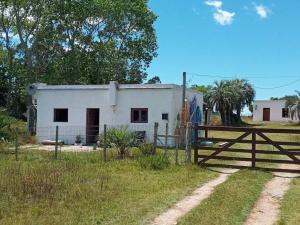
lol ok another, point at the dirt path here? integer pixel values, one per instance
(267, 209)
(171, 216)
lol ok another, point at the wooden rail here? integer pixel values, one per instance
(249, 137)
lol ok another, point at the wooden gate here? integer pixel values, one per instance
(254, 142)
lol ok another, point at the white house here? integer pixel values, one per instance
(271, 110)
(84, 109)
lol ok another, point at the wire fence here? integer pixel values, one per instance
(59, 139)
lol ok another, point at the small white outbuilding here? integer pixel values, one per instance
(84, 109)
(271, 110)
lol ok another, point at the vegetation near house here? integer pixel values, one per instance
(154, 80)
(8, 125)
(293, 103)
(229, 97)
(72, 42)
(146, 149)
(121, 139)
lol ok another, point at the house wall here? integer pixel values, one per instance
(115, 109)
(275, 106)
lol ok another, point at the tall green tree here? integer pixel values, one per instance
(205, 90)
(229, 97)
(75, 42)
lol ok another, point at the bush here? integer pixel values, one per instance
(8, 125)
(156, 162)
(4, 145)
(146, 149)
(121, 139)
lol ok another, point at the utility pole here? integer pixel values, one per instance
(183, 91)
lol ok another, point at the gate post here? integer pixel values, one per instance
(188, 138)
(196, 146)
(253, 149)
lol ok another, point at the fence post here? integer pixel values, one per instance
(56, 143)
(188, 144)
(196, 144)
(17, 145)
(253, 149)
(166, 138)
(104, 143)
(176, 153)
(155, 137)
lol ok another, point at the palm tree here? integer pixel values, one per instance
(229, 98)
(294, 109)
(245, 96)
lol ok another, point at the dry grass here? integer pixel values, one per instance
(80, 188)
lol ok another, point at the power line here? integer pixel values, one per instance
(281, 86)
(240, 76)
(260, 77)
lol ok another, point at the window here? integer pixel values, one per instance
(165, 116)
(139, 115)
(60, 115)
(285, 113)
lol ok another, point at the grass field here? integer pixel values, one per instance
(231, 202)
(82, 189)
(290, 208)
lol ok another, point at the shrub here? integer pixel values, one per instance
(121, 139)
(4, 145)
(8, 125)
(78, 139)
(155, 162)
(146, 149)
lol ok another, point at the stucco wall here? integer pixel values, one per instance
(275, 106)
(158, 101)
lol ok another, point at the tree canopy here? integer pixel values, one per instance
(73, 42)
(154, 80)
(229, 97)
(290, 99)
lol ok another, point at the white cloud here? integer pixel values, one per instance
(216, 4)
(262, 11)
(223, 17)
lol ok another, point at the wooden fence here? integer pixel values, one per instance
(254, 139)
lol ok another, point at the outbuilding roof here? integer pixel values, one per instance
(93, 87)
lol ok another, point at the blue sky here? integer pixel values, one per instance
(258, 40)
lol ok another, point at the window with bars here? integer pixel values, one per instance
(139, 115)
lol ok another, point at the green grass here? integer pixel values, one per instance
(81, 189)
(231, 201)
(290, 208)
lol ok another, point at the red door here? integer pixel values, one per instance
(92, 125)
(266, 114)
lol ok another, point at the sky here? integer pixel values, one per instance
(212, 40)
